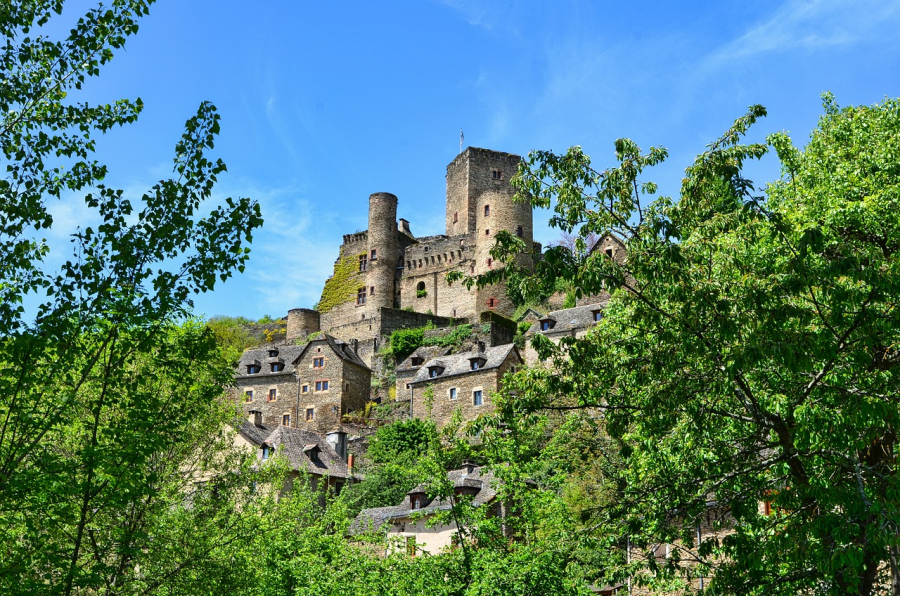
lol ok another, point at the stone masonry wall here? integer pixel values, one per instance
(347, 311)
(323, 418)
(357, 387)
(443, 408)
(460, 217)
(285, 386)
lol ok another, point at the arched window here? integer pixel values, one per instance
(420, 286)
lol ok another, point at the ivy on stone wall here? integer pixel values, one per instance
(343, 285)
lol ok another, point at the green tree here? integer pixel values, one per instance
(748, 353)
(109, 398)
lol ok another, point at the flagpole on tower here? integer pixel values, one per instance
(461, 139)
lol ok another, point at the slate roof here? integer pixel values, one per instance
(568, 319)
(376, 518)
(341, 348)
(287, 353)
(426, 353)
(298, 445)
(529, 314)
(459, 363)
(256, 434)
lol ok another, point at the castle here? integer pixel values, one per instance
(386, 279)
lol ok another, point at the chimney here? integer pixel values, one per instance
(354, 345)
(404, 227)
(255, 416)
(338, 441)
(468, 466)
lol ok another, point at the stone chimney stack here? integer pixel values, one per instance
(338, 441)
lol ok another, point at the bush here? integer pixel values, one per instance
(402, 441)
(405, 341)
(454, 338)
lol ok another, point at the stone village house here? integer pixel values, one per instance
(322, 459)
(307, 387)
(407, 525)
(463, 382)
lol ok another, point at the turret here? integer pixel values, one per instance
(383, 252)
(301, 322)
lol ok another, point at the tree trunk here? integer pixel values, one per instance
(895, 570)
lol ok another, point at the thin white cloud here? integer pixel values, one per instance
(811, 25)
(474, 12)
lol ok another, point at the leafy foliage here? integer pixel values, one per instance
(746, 356)
(402, 441)
(406, 341)
(341, 287)
(110, 399)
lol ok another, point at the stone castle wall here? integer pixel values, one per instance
(340, 290)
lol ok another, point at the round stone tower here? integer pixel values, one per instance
(301, 322)
(384, 248)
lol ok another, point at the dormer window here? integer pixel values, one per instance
(477, 363)
(416, 361)
(266, 452)
(598, 315)
(273, 353)
(435, 371)
(547, 324)
(252, 369)
(277, 366)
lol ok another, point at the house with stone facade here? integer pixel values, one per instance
(410, 366)
(568, 322)
(410, 525)
(320, 459)
(578, 320)
(463, 382)
(307, 386)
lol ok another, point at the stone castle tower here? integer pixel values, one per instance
(385, 278)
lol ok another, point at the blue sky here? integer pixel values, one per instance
(323, 103)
